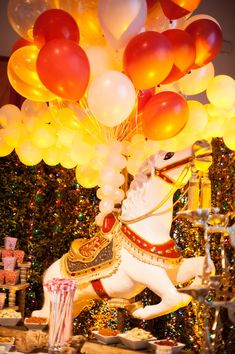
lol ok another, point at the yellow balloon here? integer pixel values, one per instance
(87, 176)
(213, 111)
(229, 127)
(31, 122)
(5, 149)
(214, 129)
(44, 136)
(196, 81)
(14, 133)
(198, 118)
(23, 77)
(65, 136)
(10, 114)
(65, 159)
(221, 91)
(66, 117)
(51, 156)
(28, 153)
(82, 152)
(229, 141)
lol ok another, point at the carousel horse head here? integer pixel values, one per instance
(160, 176)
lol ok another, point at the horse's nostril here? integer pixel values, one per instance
(169, 155)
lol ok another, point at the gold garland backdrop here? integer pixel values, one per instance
(46, 208)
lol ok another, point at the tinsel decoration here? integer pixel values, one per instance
(46, 209)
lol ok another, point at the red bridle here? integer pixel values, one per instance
(161, 172)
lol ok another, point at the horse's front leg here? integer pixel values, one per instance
(157, 280)
(188, 269)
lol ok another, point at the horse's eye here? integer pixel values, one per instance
(169, 155)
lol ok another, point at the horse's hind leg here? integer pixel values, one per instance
(157, 280)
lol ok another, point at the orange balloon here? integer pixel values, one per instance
(208, 38)
(19, 43)
(143, 97)
(23, 77)
(63, 68)
(189, 5)
(164, 115)
(148, 59)
(184, 54)
(173, 11)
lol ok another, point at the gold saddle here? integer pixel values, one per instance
(95, 258)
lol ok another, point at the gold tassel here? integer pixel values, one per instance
(205, 200)
(193, 192)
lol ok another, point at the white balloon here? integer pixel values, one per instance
(197, 80)
(111, 98)
(32, 108)
(121, 20)
(221, 91)
(107, 190)
(107, 176)
(118, 180)
(99, 219)
(117, 161)
(106, 206)
(118, 195)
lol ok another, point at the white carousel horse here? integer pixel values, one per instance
(148, 256)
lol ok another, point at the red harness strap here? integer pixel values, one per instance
(99, 289)
(166, 250)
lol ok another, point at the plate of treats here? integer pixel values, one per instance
(6, 343)
(136, 338)
(167, 344)
(36, 323)
(9, 317)
(107, 335)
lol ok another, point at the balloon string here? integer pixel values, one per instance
(97, 132)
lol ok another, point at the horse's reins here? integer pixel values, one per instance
(161, 173)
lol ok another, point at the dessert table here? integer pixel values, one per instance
(90, 347)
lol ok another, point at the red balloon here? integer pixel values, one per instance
(151, 3)
(173, 11)
(19, 43)
(143, 97)
(208, 38)
(148, 59)
(189, 5)
(63, 67)
(164, 115)
(184, 54)
(52, 24)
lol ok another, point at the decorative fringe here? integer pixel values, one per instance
(141, 255)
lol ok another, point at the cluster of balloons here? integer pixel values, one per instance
(106, 83)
